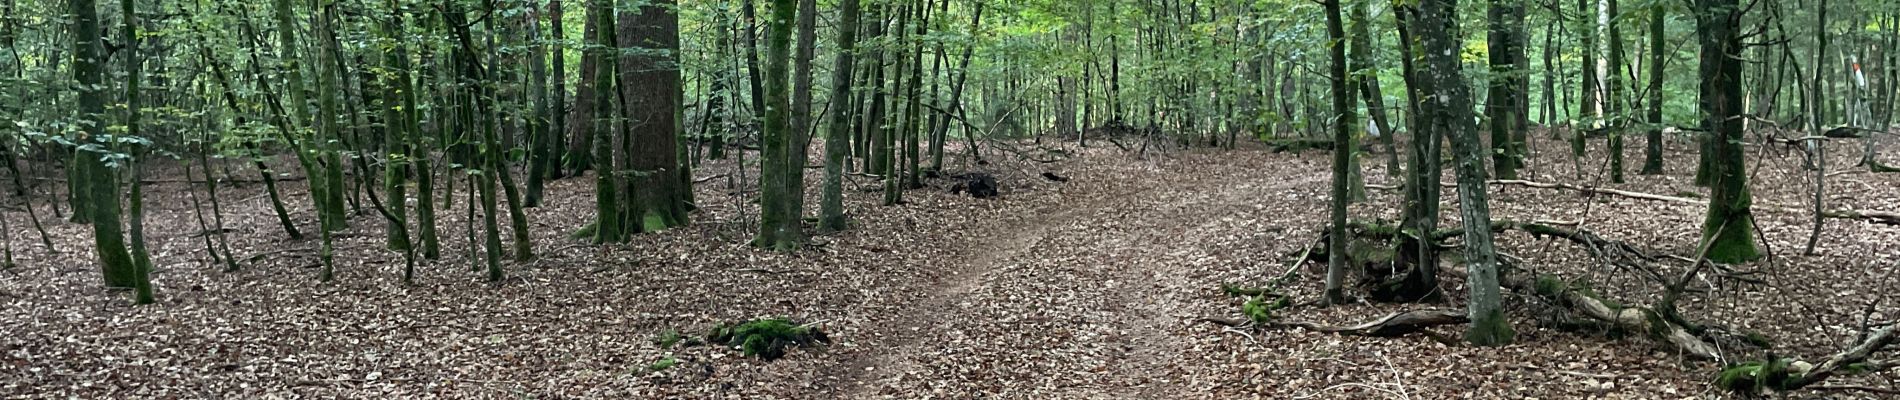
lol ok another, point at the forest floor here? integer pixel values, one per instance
(1093, 288)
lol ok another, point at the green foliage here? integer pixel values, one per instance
(1857, 368)
(1260, 310)
(585, 232)
(1490, 329)
(667, 338)
(663, 364)
(1550, 286)
(766, 339)
(1755, 376)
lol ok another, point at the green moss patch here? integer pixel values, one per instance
(1260, 310)
(766, 339)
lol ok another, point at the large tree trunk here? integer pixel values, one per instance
(1729, 230)
(650, 81)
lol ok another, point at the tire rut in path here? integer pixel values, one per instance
(1108, 307)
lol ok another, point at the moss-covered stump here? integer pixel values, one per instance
(766, 339)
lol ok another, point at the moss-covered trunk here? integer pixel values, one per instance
(1728, 232)
(837, 135)
(607, 215)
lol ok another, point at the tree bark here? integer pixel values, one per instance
(1652, 151)
(1344, 121)
(1450, 108)
(1729, 230)
(831, 216)
(1504, 40)
(650, 81)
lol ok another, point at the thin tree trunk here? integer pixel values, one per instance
(1652, 151)
(1616, 103)
(1362, 57)
(1451, 115)
(1343, 150)
(607, 213)
(831, 216)
(778, 227)
(1504, 39)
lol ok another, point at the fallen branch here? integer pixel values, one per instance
(1596, 307)
(1883, 217)
(1856, 388)
(1394, 325)
(1854, 358)
(708, 179)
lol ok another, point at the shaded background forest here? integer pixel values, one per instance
(504, 134)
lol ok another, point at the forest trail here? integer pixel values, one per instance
(1083, 300)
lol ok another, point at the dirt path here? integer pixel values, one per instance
(1084, 302)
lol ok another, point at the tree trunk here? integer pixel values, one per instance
(1729, 231)
(397, 123)
(557, 117)
(329, 172)
(607, 213)
(1343, 149)
(1652, 151)
(831, 216)
(141, 258)
(777, 227)
(1368, 70)
(1450, 109)
(1616, 103)
(650, 81)
(1588, 95)
(1504, 40)
(887, 139)
(1422, 182)
(540, 141)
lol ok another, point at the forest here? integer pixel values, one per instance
(1023, 199)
